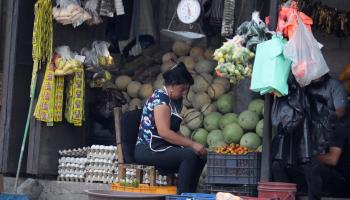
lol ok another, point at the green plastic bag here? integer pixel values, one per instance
(271, 69)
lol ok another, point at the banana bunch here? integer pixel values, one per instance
(66, 67)
(234, 62)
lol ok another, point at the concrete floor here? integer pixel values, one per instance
(58, 190)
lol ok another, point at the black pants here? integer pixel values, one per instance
(323, 178)
(184, 161)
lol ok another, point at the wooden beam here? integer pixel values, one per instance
(117, 114)
(267, 136)
(1, 183)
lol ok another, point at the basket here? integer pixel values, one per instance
(143, 188)
(191, 196)
(238, 190)
(233, 169)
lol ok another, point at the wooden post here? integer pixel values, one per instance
(1, 183)
(117, 115)
(267, 136)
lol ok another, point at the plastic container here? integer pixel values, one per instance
(238, 190)
(4, 196)
(143, 188)
(191, 196)
(116, 195)
(283, 191)
(233, 169)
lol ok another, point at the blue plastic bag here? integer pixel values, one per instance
(271, 68)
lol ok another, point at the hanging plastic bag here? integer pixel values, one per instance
(252, 32)
(70, 12)
(287, 19)
(271, 69)
(307, 60)
(105, 60)
(91, 7)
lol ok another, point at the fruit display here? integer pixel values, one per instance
(232, 149)
(234, 62)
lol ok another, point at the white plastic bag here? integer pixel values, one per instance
(307, 60)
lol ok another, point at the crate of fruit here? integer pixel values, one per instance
(233, 168)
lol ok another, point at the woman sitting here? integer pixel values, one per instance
(159, 141)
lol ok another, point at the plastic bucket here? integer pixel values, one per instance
(277, 190)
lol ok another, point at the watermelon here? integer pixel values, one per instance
(200, 136)
(211, 121)
(250, 140)
(259, 128)
(232, 133)
(248, 120)
(227, 118)
(225, 103)
(257, 106)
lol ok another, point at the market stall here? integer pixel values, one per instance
(77, 82)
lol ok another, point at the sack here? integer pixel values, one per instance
(271, 69)
(307, 60)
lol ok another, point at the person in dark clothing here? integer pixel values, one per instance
(328, 170)
(325, 172)
(159, 141)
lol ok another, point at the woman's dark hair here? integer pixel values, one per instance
(178, 75)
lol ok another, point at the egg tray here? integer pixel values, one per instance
(79, 152)
(76, 160)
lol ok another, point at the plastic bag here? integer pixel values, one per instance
(253, 32)
(70, 12)
(271, 69)
(91, 7)
(64, 52)
(307, 60)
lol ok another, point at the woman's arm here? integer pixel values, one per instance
(162, 119)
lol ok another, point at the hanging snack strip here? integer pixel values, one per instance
(75, 99)
(58, 107)
(42, 38)
(45, 106)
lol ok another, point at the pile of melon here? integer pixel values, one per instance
(221, 128)
(199, 62)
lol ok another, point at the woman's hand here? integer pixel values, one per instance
(199, 149)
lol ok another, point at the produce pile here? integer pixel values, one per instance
(229, 133)
(198, 61)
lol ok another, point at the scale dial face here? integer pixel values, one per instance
(188, 11)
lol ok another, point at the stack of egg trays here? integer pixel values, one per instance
(72, 169)
(102, 165)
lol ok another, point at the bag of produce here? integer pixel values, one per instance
(307, 60)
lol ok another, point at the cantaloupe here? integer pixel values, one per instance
(158, 84)
(202, 82)
(215, 90)
(223, 81)
(133, 89)
(208, 108)
(193, 119)
(189, 62)
(166, 66)
(200, 99)
(122, 82)
(181, 48)
(145, 91)
(204, 66)
(208, 54)
(168, 57)
(196, 53)
(135, 103)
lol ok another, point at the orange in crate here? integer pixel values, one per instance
(143, 188)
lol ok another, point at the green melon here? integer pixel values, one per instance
(259, 149)
(248, 120)
(256, 105)
(215, 139)
(227, 118)
(232, 133)
(200, 136)
(259, 128)
(225, 103)
(250, 140)
(211, 121)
